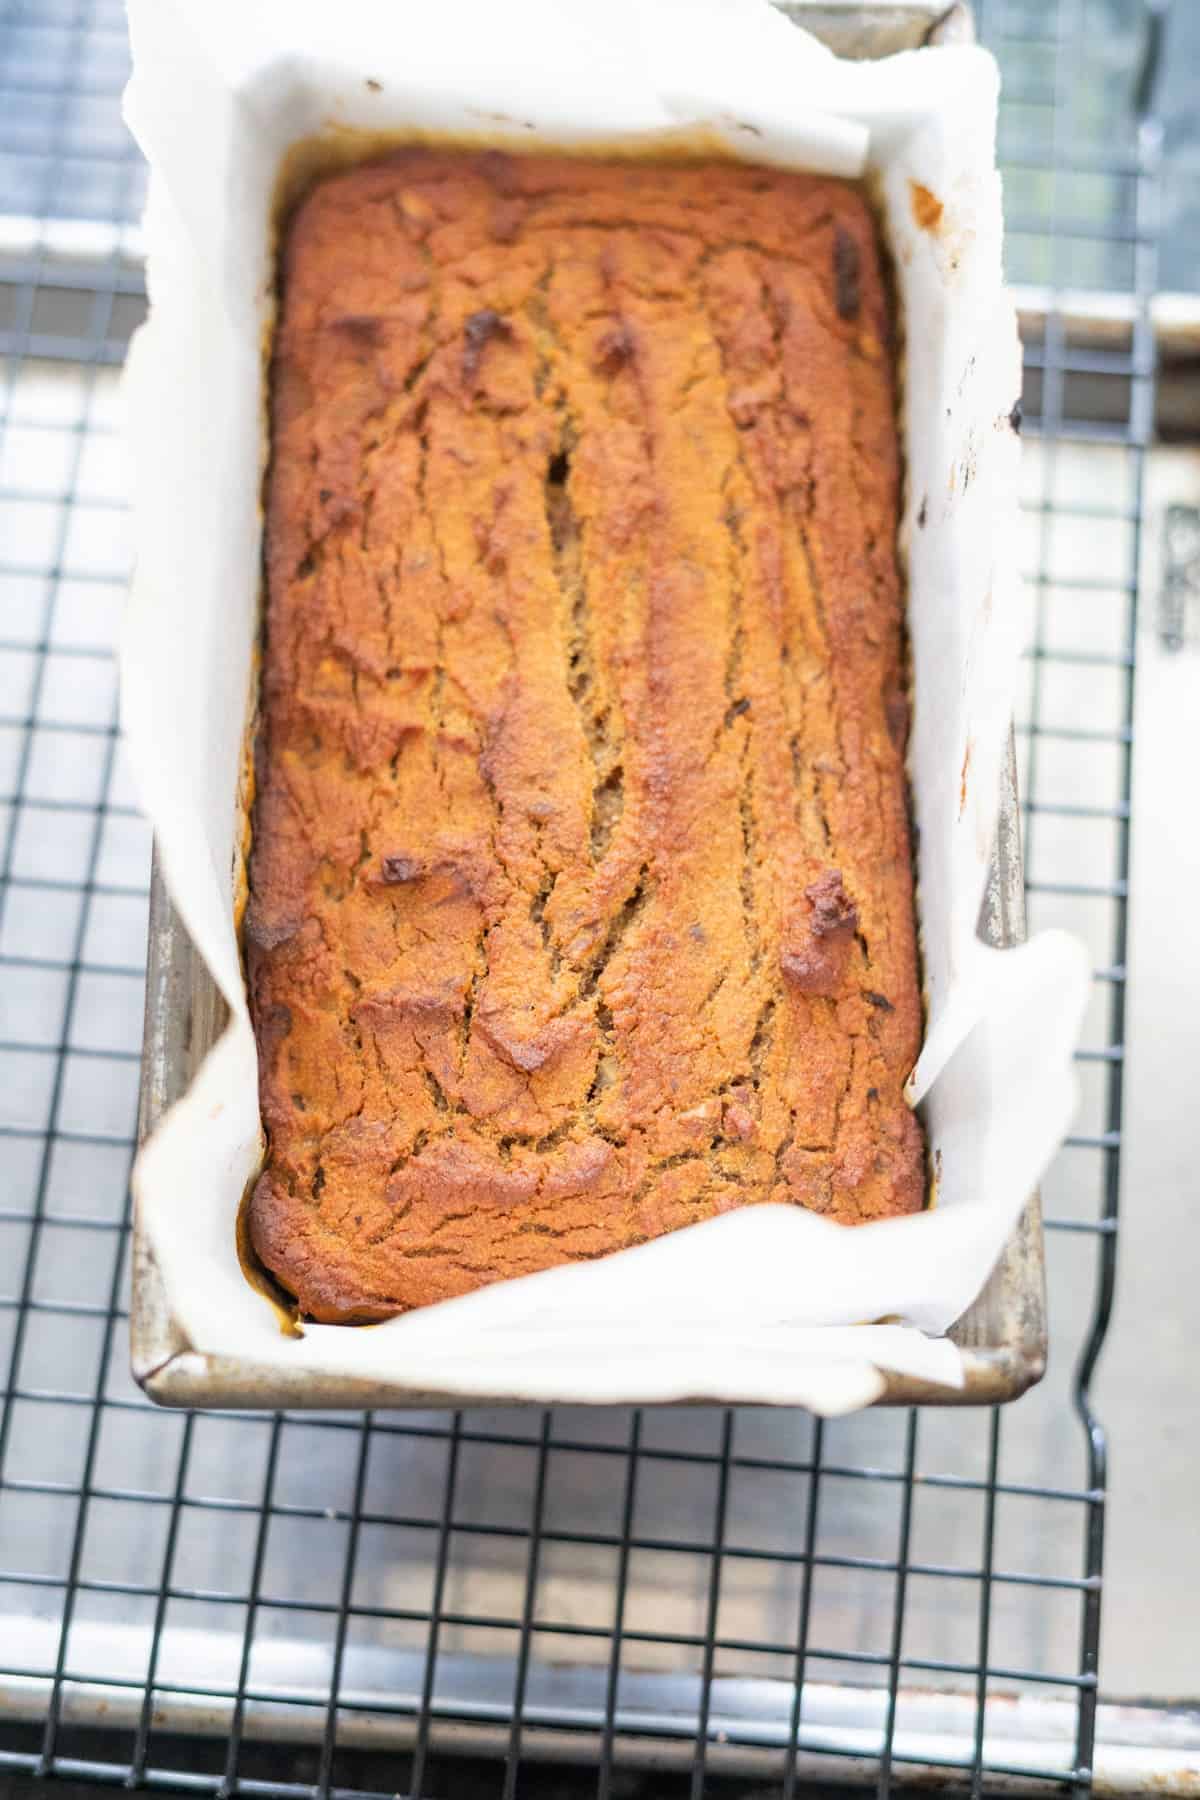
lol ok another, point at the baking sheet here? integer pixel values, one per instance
(766, 1304)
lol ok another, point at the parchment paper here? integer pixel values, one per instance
(771, 1303)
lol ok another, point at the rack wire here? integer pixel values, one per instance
(678, 1601)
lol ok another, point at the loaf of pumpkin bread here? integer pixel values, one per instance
(581, 887)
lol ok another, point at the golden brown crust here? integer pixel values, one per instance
(581, 885)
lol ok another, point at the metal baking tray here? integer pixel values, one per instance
(1002, 1335)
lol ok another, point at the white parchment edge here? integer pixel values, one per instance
(765, 1304)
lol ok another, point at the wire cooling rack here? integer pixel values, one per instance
(495, 1603)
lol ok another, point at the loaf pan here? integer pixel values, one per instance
(1002, 1335)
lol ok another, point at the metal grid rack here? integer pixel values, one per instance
(504, 1602)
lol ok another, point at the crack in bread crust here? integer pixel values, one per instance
(581, 889)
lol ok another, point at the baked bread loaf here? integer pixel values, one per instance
(581, 889)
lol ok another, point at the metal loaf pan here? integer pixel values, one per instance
(1002, 1335)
